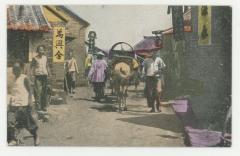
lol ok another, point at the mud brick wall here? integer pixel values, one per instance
(46, 39)
(78, 32)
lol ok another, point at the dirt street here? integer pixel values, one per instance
(85, 122)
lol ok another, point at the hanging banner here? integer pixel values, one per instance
(58, 44)
(204, 25)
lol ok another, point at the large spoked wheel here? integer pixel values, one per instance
(121, 49)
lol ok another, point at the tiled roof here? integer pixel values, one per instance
(27, 18)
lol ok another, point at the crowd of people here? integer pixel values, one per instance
(34, 88)
(152, 71)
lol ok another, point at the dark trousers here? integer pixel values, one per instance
(151, 92)
(87, 71)
(40, 92)
(71, 81)
(98, 88)
(18, 118)
(136, 77)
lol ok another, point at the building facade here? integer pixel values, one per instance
(210, 64)
(202, 69)
(23, 22)
(75, 30)
(23, 38)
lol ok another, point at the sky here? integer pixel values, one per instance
(127, 23)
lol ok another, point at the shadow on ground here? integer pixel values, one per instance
(164, 121)
(168, 136)
(135, 113)
(106, 99)
(135, 91)
(105, 108)
(137, 97)
(85, 99)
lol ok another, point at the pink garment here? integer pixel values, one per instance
(97, 71)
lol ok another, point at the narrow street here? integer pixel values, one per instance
(84, 122)
(181, 52)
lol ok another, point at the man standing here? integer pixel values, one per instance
(159, 65)
(150, 80)
(72, 70)
(97, 75)
(153, 65)
(20, 106)
(40, 72)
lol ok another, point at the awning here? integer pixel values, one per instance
(26, 18)
(147, 45)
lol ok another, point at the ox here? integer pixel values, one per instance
(121, 75)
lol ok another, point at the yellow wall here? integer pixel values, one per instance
(51, 17)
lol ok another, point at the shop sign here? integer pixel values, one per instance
(58, 44)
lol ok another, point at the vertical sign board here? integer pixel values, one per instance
(204, 25)
(58, 44)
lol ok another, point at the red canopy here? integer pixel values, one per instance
(147, 45)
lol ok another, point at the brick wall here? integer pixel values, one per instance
(78, 46)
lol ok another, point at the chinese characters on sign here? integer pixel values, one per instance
(58, 44)
(204, 25)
